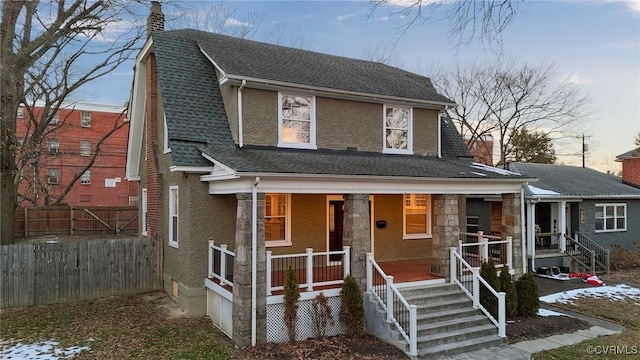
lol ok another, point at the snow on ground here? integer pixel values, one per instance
(618, 292)
(545, 313)
(47, 350)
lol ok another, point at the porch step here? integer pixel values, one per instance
(447, 322)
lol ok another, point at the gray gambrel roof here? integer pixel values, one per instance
(572, 181)
(197, 121)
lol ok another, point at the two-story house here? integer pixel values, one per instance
(254, 157)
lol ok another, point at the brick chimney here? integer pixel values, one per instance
(155, 21)
(631, 171)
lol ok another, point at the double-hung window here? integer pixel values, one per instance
(277, 224)
(85, 148)
(85, 119)
(417, 216)
(398, 129)
(53, 176)
(296, 121)
(54, 146)
(85, 178)
(173, 216)
(611, 217)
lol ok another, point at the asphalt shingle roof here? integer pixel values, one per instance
(259, 60)
(629, 154)
(572, 181)
(453, 146)
(262, 159)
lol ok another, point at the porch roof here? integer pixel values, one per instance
(562, 182)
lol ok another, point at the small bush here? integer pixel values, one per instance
(351, 307)
(623, 258)
(291, 296)
(487, 299)
(528, 297)
(321, 315)
(511, 296)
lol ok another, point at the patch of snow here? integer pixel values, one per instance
(492, 169)
(618, 292)
(539, 191)
(545, 313)
(47, 350)
(479, 174)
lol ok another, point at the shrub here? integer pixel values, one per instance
(623, 258)
(291, 296)
(487, 299)
(509, 288)
(321, 314)
(351, 306)
(528, 298)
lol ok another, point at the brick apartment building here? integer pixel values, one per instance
(481, 149)
(68, 145)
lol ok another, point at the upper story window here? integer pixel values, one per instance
(53, 146)
(611, 217)
(53, 176)
(20, 112)
(277, 224)
(54, 118)
(297, 121)
(85, 148)
(85, 178)
(398, 129)
(173, 216)
(85, 119)
(417, 216)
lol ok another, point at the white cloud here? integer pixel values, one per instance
(577, 79)
(236, 22)
(634, 5)
(347, 16)
(416, 3)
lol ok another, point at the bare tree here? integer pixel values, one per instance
(468, 19)
(280, 34)
(48, 51)
(216, 18)
(502, 99)
(383, 53)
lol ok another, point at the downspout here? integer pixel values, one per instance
(254, 258)
(522, 234)
(240, 134)
(440, 132)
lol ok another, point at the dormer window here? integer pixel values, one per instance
(398, 130)
(297, 121)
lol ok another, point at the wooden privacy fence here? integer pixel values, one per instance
(61, 220)
(49, 273)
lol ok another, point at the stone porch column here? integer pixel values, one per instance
(242, 274)
(446, 231)
(357, 234)
(511, 227)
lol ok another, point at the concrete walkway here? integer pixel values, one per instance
(524, 349)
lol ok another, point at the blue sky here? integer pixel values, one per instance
(594, 43)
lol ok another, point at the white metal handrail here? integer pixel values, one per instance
(483, 250)
(392, 293)
(222, 276)
(307, 259)
(458, 262)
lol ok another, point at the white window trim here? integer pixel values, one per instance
(409, 149)
(287, 231)
(165, 131)
(144, 210)
(82, 119)
(429, 233)
(84, 176)
(173, 242)
(615, 218)
(88, 153)
(312, 126)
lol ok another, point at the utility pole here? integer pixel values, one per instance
(585, 148)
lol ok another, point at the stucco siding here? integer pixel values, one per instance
(341, 124)
(308, 225)
(388, 242)
(425, 132)
(260, 117)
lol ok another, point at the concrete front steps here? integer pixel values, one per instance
(447, 322)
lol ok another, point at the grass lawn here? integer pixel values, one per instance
(122, 327)
(625, 345)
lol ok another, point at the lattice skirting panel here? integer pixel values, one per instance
(305, 329)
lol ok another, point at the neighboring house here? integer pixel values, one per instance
(481, 149)
(594, 209)
(253, 157)
(630, 167)
(68, 144)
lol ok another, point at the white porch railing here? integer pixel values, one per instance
(312, 268)
(221, 263)
(470, 281)
(476, 248)
(398, 310)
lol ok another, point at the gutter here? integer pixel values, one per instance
(240, 134)
(254, 259)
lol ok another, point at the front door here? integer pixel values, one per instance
(336, 222)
